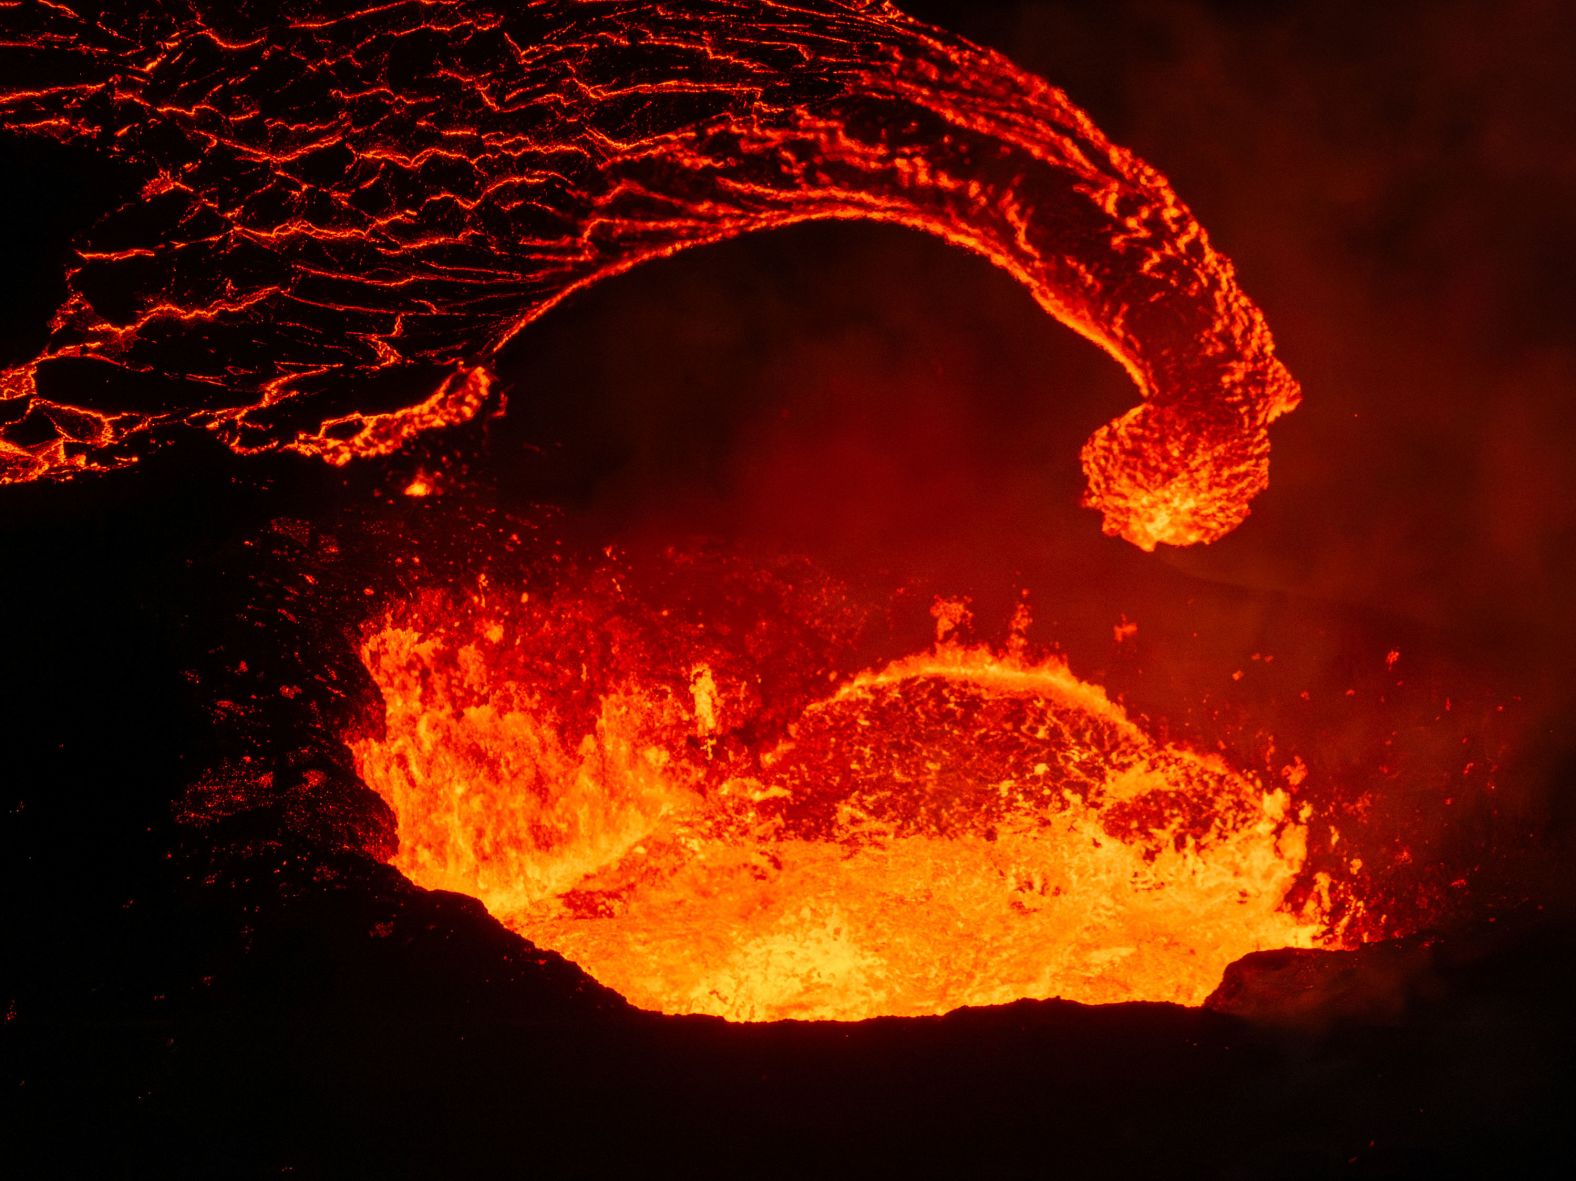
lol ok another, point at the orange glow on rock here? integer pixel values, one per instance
(958, 827)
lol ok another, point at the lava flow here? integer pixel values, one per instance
(344, 213)
(705, 831)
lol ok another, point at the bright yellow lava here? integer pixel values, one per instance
(957, 828)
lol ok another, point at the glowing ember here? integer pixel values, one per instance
(962, 827)
(346, 213)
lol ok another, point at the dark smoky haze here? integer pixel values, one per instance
(1394, 183)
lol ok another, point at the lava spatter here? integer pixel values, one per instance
(347, 211)
(760, 838)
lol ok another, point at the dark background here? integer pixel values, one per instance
(1394, 184)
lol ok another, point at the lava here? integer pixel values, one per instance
(345, 213)
(707, 831)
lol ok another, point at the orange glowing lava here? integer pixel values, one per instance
(958, 827)
(346, 213)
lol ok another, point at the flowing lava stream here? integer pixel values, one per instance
(958, 827)
(346, 212)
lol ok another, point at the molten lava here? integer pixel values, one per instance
(346, 212)
(957, 827)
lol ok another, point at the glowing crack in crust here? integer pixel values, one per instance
(347, 211)
(958, 827)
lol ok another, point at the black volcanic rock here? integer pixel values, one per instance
(1313, 991)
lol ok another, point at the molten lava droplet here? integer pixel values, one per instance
(959, 827)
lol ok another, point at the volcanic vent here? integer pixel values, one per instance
(956, 826)
(712, 820)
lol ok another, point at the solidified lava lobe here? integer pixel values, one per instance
(347, 211)
(958, 827)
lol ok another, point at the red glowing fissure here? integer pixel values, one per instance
(347, 212)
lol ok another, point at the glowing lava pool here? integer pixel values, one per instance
(957, 827)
